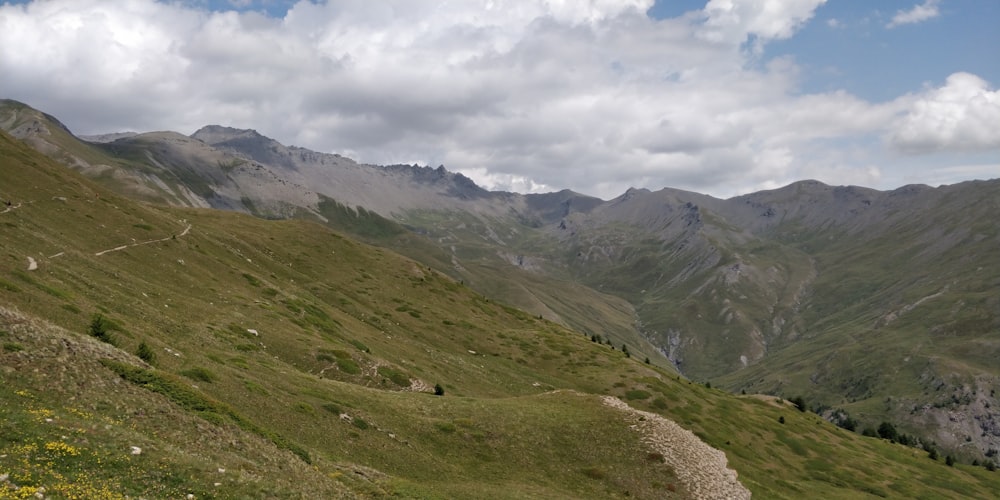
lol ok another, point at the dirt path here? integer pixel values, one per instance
(10, 207)
(699, 467)
(123, 247)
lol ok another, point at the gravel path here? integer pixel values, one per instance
(699, 467)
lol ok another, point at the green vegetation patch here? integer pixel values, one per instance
(190, 400)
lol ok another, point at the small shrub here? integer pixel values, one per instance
(781, 419)
(445, 427)
(659, 404)
(322, 356)
(251, 279)
(332, 408)
(888, 431)
(438, 390)
(12, 347)
(348, 366)
(99, 330)
(594, 473)
(359, 423)
(145, 353)
(200, 374)
(949, 461)
(360, 345)
(799, 403)
(932, 454)
(991, 466)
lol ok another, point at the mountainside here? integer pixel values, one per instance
(878, 305)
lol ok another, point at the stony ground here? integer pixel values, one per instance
(700, 468)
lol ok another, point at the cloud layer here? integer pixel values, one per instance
(518, 94)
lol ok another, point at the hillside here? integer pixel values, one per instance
(290, 361)
(872, 303)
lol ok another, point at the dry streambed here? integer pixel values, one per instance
(700, 468)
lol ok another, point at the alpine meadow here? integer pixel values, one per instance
(221, 315)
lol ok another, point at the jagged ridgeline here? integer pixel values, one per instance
(285, 359)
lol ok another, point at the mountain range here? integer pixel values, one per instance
(866, 305)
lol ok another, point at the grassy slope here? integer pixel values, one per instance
(340, 327)
(898, 320)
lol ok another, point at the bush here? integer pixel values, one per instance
(199, 373)
(781, 419)
(438, 390)
(799, 403)
(145, 353)
(348, 366)
(949, 460)
(99, 330)
(887, 431)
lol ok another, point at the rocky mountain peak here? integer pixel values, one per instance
(217, 134)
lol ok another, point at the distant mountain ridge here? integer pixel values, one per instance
(843, 294)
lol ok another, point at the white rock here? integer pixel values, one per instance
(136, 450)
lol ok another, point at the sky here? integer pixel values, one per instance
(722, 97)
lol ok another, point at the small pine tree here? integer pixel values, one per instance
(781, 419)
(647, 360)
(145, 353)
(949, 461)
(990, 466)
(438, 390)
(99, 330)
(932, 454)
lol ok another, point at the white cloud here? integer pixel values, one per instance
(518, 94)
(962, 115)
(918, 14)
(732, 21)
